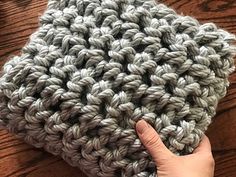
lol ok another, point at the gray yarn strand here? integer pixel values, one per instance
(96, 67)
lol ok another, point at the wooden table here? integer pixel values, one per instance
(19, 18)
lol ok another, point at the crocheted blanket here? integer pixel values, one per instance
(96, 67)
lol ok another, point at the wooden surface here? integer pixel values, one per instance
(19, 18)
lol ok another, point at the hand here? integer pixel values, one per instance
(198, 164)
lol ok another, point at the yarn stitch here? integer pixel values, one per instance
(96, 67)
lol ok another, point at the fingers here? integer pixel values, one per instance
(152, 142)
(204, 146)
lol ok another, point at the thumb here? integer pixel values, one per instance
(152, 141)
(204, 146)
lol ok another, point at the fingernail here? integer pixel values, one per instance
(141, 126)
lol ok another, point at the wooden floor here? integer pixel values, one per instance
(19, 18)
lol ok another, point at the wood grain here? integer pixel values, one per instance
(19, 19)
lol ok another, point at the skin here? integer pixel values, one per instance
(198, 164)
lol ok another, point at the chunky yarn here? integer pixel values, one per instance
(96, 67)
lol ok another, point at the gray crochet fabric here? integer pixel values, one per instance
(96, 67)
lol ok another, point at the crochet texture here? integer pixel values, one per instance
(96, 67)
